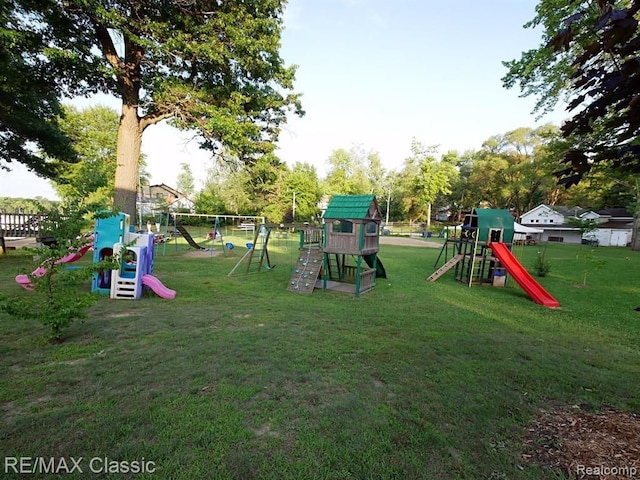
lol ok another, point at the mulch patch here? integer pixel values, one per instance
(603, 445)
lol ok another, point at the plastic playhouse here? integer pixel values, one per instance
(114, 236)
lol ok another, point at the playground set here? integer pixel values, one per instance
(343, 254)
(482, 255)
(114, 236)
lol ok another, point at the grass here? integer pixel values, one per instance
(238, 378)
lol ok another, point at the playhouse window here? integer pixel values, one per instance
(371, 228)
(342, 226)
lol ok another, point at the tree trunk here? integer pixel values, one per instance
(635, 233)
(128, 159)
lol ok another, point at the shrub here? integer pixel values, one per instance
(541, 266)
(57, 294)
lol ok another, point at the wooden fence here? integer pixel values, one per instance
(20, 224)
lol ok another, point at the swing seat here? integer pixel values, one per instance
(229, 246)
(249, 246)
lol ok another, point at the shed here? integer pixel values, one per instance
(491, 225)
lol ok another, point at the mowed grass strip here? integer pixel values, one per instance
(239, 378)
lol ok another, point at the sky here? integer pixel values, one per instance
(373, 74)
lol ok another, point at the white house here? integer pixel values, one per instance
(615, 226)
(552, 222)
(614, 230)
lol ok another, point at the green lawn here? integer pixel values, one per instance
(239, 378)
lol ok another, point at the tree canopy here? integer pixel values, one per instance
(30, 131)
(206, 65)
(89, 182)
(590, 57)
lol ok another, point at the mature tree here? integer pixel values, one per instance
(598, 43)
(541, 72)
(513, 170)
(606, 87)
(225, 185)
(264, 182)
(303, 180)
(89, 182)
(350, 172)
(30, 131)
(209, 65)
(26, 205)
(461, 197)
(425, 178)
(185, 183)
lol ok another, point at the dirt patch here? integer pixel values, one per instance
(19, 243)
(408, 242)
(203, 253)
(604, 445)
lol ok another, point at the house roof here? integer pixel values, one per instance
(357, 207)
(167, 188)
(569, 211)
(619, 212)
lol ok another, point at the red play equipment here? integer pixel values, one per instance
(537, 293)
(481, 254)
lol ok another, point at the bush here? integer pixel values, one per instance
(56, 294)
(541, 266)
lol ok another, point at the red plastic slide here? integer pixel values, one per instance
(537, 293)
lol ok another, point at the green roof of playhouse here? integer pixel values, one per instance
(486, 218)
(358, 207)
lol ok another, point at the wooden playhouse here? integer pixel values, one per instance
(344, 254)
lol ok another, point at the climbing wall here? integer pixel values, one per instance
(306, 270)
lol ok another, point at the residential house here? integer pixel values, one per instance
(615, 226)
(155, 198)
(614, 230)
(553, 223)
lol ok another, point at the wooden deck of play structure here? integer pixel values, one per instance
(307, 274)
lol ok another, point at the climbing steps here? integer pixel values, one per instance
(306, 271)
(445, 268)
(335, 268)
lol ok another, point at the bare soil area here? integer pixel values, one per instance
(408, 242)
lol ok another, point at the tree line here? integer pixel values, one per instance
(512, 170)
(215, 67)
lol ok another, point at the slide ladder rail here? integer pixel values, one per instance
(445, 268)
(537, 293)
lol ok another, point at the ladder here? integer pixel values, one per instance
(257, 254)
(445, 268)
(335, 269)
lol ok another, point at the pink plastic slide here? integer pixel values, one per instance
(158, 288)
(25, 281)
